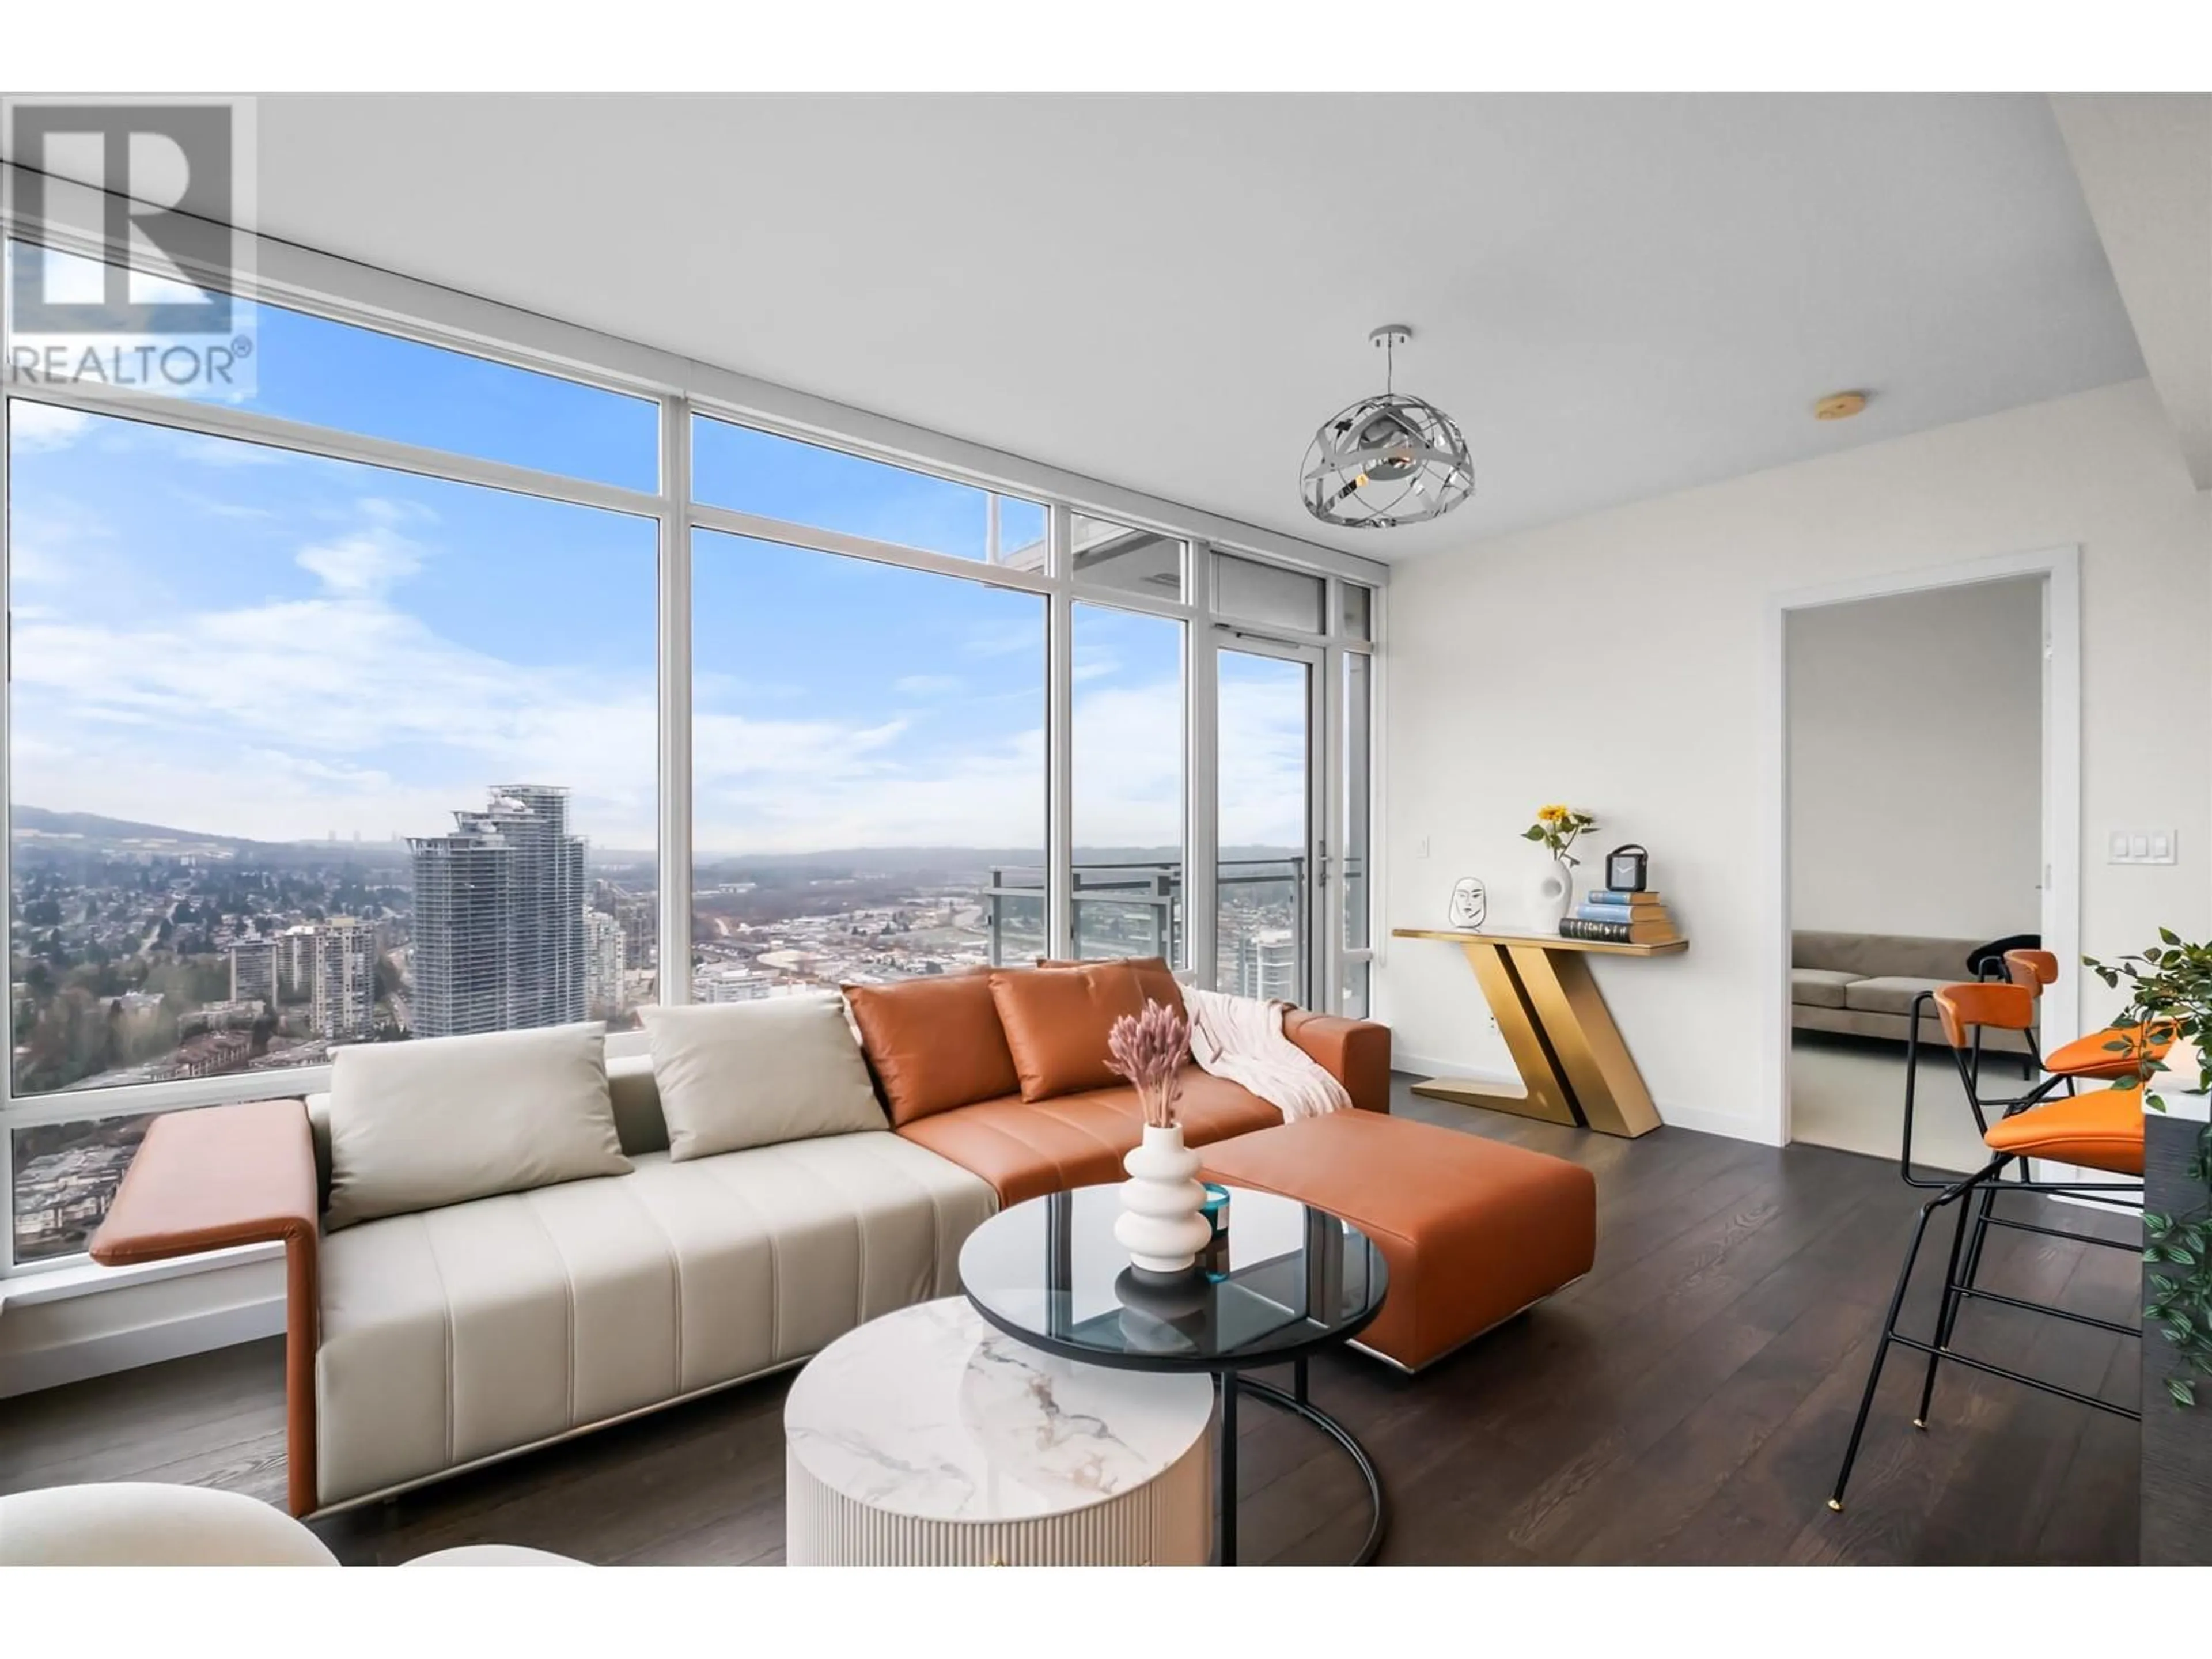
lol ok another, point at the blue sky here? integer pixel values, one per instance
(239, 640)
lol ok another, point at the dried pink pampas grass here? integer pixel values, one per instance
(1149, 1049)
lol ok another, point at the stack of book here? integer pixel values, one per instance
(1606, 917)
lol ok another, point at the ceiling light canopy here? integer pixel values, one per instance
(1389, 459)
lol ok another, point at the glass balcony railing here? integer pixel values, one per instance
(1135, 908)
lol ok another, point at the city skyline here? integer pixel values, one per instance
(395, 844)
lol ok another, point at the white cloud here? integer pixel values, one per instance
(218, 509)
(1008, 639)
(928, 685)
(59, 543)
(991, 795)
(34, 427)
(291, 717)
(294, 718)
(1263, 763)
(1128, 764)
(726, 748)
(369, 563)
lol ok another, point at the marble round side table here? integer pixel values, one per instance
(929, 1439)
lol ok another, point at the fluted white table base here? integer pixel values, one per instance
(1167, 1521)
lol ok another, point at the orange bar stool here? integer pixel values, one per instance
(2092, 1056)
(2101, 1130)
(2015, 1011)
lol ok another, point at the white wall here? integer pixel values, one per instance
(1503, 693)
(1916, 763)
(46, 1340)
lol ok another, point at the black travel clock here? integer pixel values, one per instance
(1626, 868)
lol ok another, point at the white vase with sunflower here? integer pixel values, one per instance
(1556, 829)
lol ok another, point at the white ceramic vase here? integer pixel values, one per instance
(1160, 1225)
(1555, 895)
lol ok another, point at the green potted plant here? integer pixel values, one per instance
(2169, 987)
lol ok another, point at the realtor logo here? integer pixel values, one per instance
(141, 213)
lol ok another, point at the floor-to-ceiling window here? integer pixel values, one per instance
(1127, 864)
(433, 690)
(281, 718)
(868, 780)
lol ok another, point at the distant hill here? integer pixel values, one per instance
(91, 830)
(90, 826)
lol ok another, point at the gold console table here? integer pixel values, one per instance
(1574, 1066)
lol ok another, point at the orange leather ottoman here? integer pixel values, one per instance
(1474, 1231)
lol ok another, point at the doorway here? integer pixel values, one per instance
(1928, 773)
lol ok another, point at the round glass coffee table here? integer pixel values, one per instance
(1291, 1281)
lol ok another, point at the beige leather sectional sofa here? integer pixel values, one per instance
(496, 1243)
(461, 1334)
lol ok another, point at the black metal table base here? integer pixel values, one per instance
(1293, 1400)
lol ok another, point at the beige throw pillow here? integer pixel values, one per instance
(416, 1125)
(756, 1073)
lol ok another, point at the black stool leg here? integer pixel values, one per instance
(1981, 1222)
(1881, 1350)
(1955, 1285)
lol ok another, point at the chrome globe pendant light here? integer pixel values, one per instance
(1389, 459)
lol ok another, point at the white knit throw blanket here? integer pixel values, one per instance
(1241, 1038)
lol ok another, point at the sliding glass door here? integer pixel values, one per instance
(1267, 875)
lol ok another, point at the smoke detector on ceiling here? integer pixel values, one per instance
(1840, 405)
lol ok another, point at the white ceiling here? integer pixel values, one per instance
(2145, 164)
(1617, 296)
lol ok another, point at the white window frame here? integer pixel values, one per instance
(341, 290)
(1344, 953)
(1316, 896)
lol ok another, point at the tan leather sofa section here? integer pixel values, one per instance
(1026, 1149)
(1064, 1136)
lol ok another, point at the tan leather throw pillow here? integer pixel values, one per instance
(934, 1044)
(1056, 1022)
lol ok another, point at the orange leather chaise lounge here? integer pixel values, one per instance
(1006, 1075)
(1474, 1231)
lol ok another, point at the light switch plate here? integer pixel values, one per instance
(2141, 847)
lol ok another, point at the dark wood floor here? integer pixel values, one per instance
(1685, 1403)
